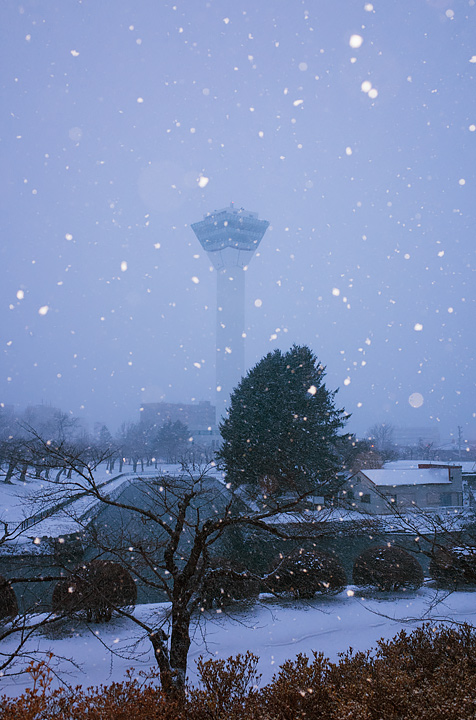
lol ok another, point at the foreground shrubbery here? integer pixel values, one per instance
(429, 674)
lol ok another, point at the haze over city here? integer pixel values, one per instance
(350, 127)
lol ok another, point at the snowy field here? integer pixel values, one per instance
(274, 630)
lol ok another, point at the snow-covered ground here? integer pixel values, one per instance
(274, 630)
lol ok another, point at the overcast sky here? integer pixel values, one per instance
(124, 121)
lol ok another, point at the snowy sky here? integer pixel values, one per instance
(115, 113)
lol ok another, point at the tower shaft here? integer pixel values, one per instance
(230, 334)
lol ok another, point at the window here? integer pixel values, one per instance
(365, 498)
(445, 499)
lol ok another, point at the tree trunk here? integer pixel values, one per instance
(179, 647)
(10, 471)
(159, 643)
(121, 463)
(173, 665)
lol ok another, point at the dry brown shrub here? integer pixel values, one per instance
(300, 690)
(229, 688)
(134, 699)
(429, 674)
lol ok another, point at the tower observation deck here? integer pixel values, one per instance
(230, 237)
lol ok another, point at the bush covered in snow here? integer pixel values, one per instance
(8, 600)
(225, 582)
(387, 568)
(306, 572)
(94, 589)
(454, 566)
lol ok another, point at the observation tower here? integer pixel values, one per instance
(230, 237)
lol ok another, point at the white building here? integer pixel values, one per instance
(425, 487)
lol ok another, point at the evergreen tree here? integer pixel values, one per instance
(172, 440)
(282, 427)
(104, 437)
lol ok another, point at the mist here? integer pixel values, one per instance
(350, 127)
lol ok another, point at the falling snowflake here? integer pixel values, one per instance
(416, 399)
(356, 41)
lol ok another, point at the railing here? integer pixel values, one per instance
(444, 509)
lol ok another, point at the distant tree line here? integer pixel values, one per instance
(133, 444)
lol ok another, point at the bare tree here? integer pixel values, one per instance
(381, 436)
(163, 529)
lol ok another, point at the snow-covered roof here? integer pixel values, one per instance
(467, 466)
(408, 476)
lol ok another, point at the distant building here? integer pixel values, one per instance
(39, 415)
(7, 412)
(409, 436)
(426, 487)
(45, 418)
(198, 417)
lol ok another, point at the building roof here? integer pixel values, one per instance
(467, 466)
(391, 477)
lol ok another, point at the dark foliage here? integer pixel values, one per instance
(95, 589)
(225, 582)
(353, 453)
(172, 440)
(283, 425)
(306, 572)
(429, 674)
(8, 600)
(387, 568)
(454, 566)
